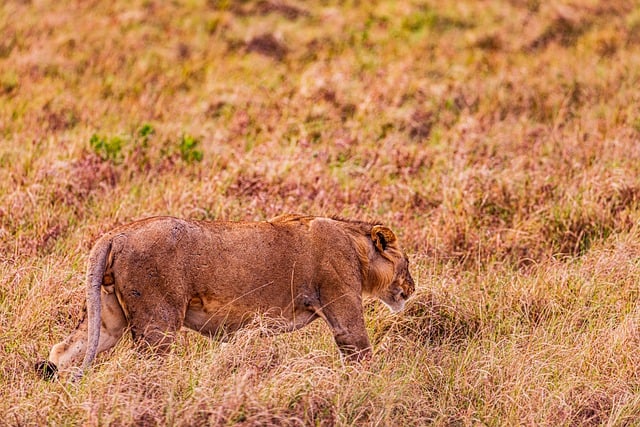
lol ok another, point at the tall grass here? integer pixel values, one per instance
(500, 139)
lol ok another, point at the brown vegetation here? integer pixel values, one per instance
(499, 138)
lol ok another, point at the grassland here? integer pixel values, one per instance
(501, 139)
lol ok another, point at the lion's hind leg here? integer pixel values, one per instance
(71, 350)
(150, 293)
(154, 329)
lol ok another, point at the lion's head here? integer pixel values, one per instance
(402, 286)
(387, 269)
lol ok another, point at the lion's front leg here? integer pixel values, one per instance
(354, 346)
(343, 314)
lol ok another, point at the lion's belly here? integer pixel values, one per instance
(209, 318)
(218, 321)
(208, 324)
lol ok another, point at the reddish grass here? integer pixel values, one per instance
(499, 139)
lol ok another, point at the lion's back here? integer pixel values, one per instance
(214, 255)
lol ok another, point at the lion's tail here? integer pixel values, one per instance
(95, 275)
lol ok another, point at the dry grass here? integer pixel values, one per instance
(500, 138)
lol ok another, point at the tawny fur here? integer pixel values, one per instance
(159, 274)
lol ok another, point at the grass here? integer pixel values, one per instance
(499, 139)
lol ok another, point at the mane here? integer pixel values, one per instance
(357, 226)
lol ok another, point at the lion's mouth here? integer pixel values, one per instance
(398, 306)
(395, 302)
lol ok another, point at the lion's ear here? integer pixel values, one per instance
(382, 237)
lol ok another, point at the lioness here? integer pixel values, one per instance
(159, 274)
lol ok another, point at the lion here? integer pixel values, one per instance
(159, 274)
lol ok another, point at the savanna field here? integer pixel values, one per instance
(499, 139)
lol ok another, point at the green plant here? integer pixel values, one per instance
(145, 131)
(108, 148)
(189, 151)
